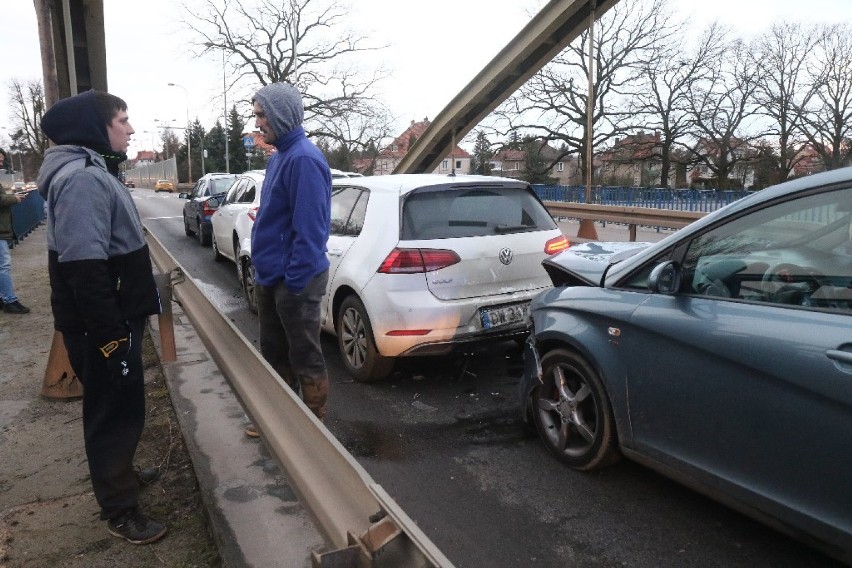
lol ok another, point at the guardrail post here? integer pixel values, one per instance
(166, 319)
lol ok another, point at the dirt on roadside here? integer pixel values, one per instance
(64, 530)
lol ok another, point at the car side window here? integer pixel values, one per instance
(359, 212)
(343, 201)
(197, 190)
(794, 253)
(247, 193)
(234, 192)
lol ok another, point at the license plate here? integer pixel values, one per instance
(498, 316)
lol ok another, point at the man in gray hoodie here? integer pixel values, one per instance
(288, 245)
(102, 291)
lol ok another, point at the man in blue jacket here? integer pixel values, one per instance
(102, 291)
(288, 246)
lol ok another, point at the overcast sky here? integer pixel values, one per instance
(436, 48)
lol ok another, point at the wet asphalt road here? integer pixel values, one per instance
(444, 437)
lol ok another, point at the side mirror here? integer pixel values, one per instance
(183, 195)
(665, 278)
(212, 203)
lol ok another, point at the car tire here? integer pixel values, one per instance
(217, 256)
(357, 347)
(572, 412)
(203, 234)
(248, 282)
(189, 232)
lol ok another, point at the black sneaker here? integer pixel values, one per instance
(147, 475)
(15, 308)
(136, 528)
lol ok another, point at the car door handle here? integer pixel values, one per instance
(335, 252)
(840, 356)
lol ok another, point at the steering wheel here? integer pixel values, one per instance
(790, 279)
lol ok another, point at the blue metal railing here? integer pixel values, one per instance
(705, 200)
(27, 215)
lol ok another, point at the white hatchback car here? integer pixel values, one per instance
(232, 222)
(421, 263)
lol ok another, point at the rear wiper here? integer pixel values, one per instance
(501, 229)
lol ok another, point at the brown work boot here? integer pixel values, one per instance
(315, 394)
(251, 431)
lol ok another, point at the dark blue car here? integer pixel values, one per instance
(720, 356)
(199, 208)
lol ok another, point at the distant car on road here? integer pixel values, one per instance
(420, 263)
(202, 202)
(164, 185)
(720, 356)
(18, 186)
(129, 183)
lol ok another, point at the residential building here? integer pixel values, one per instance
(634, 160)
(740, 176)
(143, 158)
(512, 163)
(807, 162)
(458, 161)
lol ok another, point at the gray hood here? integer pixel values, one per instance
(282, 104)
(58, 157)
(584, 264)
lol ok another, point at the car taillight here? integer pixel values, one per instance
(206, 209)
(412, 261)
(252, 213)
(556, 244)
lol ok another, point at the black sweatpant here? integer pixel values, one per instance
(113, 418)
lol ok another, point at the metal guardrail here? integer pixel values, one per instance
(630, 216)
(354, 513)
(27, 214)
(653, 197)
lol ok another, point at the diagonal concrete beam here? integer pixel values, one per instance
(547, 34)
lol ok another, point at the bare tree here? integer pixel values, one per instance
(27, 100)
(669, 74)
(785, 87)
(552, 105)
(827, 120)
(303, 42)
(723, 107)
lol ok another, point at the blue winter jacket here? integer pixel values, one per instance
(292, 224)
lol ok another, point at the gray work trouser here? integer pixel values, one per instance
(290, 338)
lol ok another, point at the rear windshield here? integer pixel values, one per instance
(221, 185)
(472, 212)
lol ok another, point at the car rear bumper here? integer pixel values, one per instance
(449, 323)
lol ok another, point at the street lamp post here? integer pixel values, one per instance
(225, 104)
(189, 136)
(200, 142)
(164, 124)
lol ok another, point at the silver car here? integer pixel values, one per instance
(720, 356)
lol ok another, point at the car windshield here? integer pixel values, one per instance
(473, 211)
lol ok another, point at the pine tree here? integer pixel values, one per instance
(480, 162)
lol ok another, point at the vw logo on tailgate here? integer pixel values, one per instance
(506, 256)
